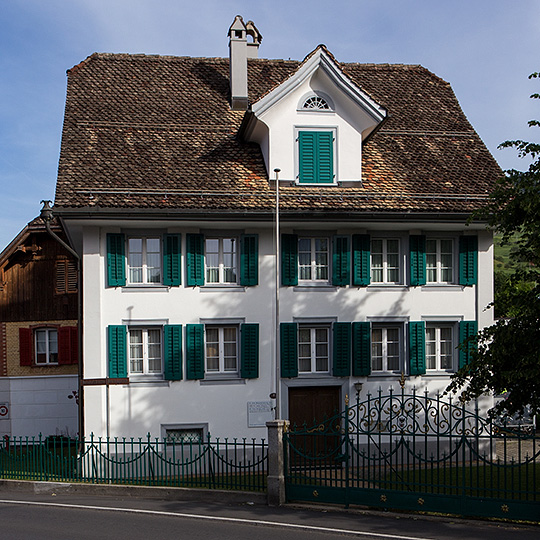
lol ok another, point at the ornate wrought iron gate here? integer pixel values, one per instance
(415, 452)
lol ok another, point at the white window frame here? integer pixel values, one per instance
(222, 370)
(384, 327)
(221, 267)
(438, 268)
(313, 266)
(145, 343)
(144, 256)
(437, 356)
(314, 356)
(385, 268)
(49, 344)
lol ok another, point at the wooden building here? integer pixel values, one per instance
(38, 335)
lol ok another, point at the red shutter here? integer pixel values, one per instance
(25, 346)
(64, 345)
(74, 344)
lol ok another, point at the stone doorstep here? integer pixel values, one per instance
(153, 492)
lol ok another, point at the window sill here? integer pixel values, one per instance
(213, 380)
(385, 375)
(148, 380)
(311, 375)
(47, 365)
(442, 287)
(222, 288)
(145, 288)
(438, 373)
(387, 287)
(333, 184)
(314, 286)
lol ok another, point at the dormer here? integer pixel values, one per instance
(313, 124)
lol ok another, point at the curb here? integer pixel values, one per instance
(151, 492)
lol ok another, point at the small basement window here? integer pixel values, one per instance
(185, 435)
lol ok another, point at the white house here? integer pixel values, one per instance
(167, 186)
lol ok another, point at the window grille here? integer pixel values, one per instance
(316, 102)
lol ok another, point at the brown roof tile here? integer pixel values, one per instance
(157, 132)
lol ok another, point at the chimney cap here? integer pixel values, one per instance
(237, 26)
(239, 30)
(253, 31)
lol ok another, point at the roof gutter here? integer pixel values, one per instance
(220, 215)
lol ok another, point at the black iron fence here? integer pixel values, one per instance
(237, 464)
(416, 452)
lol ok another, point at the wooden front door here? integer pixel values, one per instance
(311, 434)
(311, 405)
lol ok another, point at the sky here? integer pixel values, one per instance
(485, 48)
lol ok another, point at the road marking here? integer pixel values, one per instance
(218, 518)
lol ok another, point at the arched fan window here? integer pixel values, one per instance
(316, 102)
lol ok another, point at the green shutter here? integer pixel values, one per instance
(417, 348)
(307, 157)
(117, 345)
(361, 349)
(316, 157)
(249, 351)
(171, 259)
(325, 149)
(468, 260)
(194, 351)
(289, 259)
(341, 361)
(289, 349)
(194, 259)
(417, 248)
(249, 260)
(361, 247)
(116, 260)
(172, 337)
(467, 329)
(341, 261)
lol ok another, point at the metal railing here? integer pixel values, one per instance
(236, 464)
(414, 451)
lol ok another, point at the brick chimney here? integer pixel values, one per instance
(239, 51)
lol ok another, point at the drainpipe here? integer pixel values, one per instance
(47, 215)
(277, 346)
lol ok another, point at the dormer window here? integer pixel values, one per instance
(316, 102)
(316, 156)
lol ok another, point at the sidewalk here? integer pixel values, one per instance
(245, 509)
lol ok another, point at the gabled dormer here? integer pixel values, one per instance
(312, 125)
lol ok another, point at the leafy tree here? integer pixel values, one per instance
(507, 359)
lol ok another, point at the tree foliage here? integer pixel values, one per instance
(508, 357)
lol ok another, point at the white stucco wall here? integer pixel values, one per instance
(145, 407)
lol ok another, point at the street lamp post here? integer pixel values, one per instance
(277, 341)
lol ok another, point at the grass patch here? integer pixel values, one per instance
(60, 464)
(513, 482)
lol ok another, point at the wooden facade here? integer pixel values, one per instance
(38, 305)
(38, 278)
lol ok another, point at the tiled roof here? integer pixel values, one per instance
(157, 133)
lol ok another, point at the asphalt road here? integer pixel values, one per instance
(30, 516)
